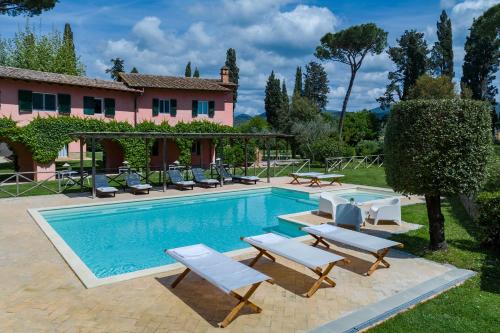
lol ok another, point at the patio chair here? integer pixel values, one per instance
(134, 183)
(177, 180)
(199, 177)
(333, 177)
(378, 247)
(387, 210)
(328, 203)
(298, 252)
(102, 186)
(307, 175)
(228, 177)
(222, 272)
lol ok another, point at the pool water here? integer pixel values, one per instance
(120, 238)
(361, 197)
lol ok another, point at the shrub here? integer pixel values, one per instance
(330, 147)
(489, 218)
(368, 147)
(435, 148)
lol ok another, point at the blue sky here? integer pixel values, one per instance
(160, 37)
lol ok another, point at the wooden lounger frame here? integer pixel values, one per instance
(322, 274)
(317, 181)
(380, 255)
(242, 300)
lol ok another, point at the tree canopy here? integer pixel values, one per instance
(442, 52)
(297, 89)
(427, 87)
(117, 66)
(273, 100)
(196, 72)
(316, 84)
(187, 71)
(26, 7)
(350, 47)
(234, 71)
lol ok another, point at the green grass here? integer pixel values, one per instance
(472, 307)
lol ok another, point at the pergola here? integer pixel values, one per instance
(147, 136)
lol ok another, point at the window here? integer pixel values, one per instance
(164, 106)
(98, 105)
(202, 107)
(44, 102)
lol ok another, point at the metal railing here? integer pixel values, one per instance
(355, 162)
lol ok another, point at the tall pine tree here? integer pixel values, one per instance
(67, 61)
(284, 124)
(297, 89)
(196, 72)
(442, 52)
(316, 85)
(117, 66)
(273, 100)
(234, 71)
(187, 71)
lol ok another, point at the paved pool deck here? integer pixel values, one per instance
(40, 293)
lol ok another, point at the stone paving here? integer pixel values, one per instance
(40, 293)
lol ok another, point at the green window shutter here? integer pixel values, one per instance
(173, 107)
(109, 107)
(64, 103)
(25, 100)
(194, 109)
(156, 107)
(88, 105)
(211, 109)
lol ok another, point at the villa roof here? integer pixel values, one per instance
(64, 79)
(135, 80)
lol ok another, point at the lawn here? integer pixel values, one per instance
(472, 307)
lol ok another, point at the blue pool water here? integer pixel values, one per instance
(120, 238)
(360, 196)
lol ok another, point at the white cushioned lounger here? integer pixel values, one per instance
(378, 247)
(221, 271)
(303, 254)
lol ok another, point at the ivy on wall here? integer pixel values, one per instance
(45, 137)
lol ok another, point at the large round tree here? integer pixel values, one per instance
(437, 148)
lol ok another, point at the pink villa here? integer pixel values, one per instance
(25, 94)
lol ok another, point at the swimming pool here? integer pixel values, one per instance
(119, 238)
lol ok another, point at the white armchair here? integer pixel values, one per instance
(386, 210)
(328, 203)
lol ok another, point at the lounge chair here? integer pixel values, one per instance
(177, 180)
(333, 178)
(328, 203)
(134, 182)
(298, 252)
(387, 210)
(307, 175)
(221, 271)
(378, 247)
(227, 177)
(199, 177)
(102, 186)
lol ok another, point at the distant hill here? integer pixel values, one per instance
(243, 118)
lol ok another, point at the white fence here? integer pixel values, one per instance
(355, 162)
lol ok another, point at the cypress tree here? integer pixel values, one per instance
(234, 71)
(187, 71)
(67, 61)
(316, 85)
(442, 52)
(284, 123)
(273, 100)
(196, 72)
(134, 70)
(298, 82)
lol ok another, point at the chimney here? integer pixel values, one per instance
(224, 74)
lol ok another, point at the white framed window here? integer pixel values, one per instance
(203, 108)
(98, 105)
(164, 106)
(44, 102)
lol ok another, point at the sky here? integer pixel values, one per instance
(161, 36)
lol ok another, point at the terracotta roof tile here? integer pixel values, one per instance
(171, 82)
(82, 81)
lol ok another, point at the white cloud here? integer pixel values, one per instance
(464, 12)
(447, 3)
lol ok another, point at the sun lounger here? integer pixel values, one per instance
(199, 177)
(334, 178)
(102, 186)
(134, 182)
(221, 271)
(227, 177)
(307, 175)
(177, 180)
(378, 247)
(298, 252)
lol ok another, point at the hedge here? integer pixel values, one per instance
(45, 137)
(489, 218)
